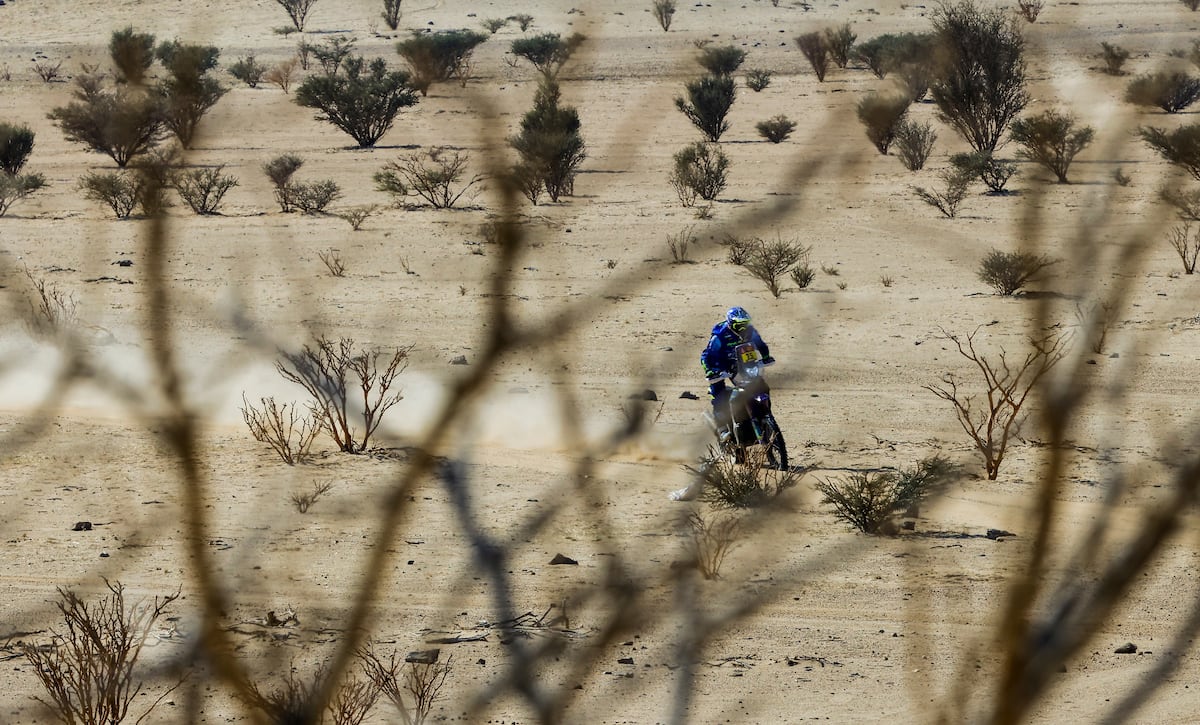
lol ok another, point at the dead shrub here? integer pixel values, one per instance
(419, 682)
(282, 73)
(436, 175)
(769, 262)
(89, 670)
(334, 372)
(48, 71)
(289, 432)
(680, 244)
(1097, 319)
(1186, 245)
(304, 501)
(1006, 386)
(803, 275)
(709, 540)
(51, 310)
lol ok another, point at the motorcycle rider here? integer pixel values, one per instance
(719, 358)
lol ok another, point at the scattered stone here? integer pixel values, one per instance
(104, 555)
(481, 661)
(560, 559)
(459, 360)
(1126, 649)
(689, 395)
(909, 525)
(997, 534)
(82, 526)
(625, 661)
(1114, 356)
(124, 262)
(423, 656)
(646, 394)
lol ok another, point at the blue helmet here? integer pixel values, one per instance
(738, 319)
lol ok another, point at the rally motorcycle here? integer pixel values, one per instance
(748, 421)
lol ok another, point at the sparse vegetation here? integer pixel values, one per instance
(1186, 245)
(776, 129)
(90, 670)
(436, 175)
(955, 185)
(887, 53)
(547, 52)
(122, 191)
(523, 20)
(664, 12)
(493, 25)
(14, 188)
(391, 13)
(758, 79)
(914, 142)
(284, 427)
(332, 259)
(297, 11)
(248, 70)
(121, 121)
(363, 102)
(1006, 385)
(132, 53)
(840, 42)
(803, 274)
(725, 484)
(1030, 9)
(48, 71)
(550, 144)
(816, 50)
(355, 216)
(1180, 146)
(280, 171)
(1114, 57)
(303, 502)
(869, 501)
(980, 87)
(993, 172)
(1007, 272)
(202, 189)
(188, 92)
(16, 144)
(882, 115)
(707, 104)
(1051, 139)
(52, 311)
(313, 197)
(282, 73)
(328, 370)
(770, 262)
(418, 682)
(438, 57)
(700, 171)
(709, 541)
(1172, 91)
(721, 60)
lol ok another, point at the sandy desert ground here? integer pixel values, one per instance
(817, 622)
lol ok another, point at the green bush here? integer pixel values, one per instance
(120, 191)
(1007, 272)
(815, 48)
(776, 129)
(203, 189)
(1171, 91)
(701, 170)
(132, 54)
(16, 143)
(840, 42)
(547, 52)
(122, 121)
(914, 142)
(248, 70)
(993, 172)
(881, 115)
(438, 57)
(188, 92)
(870, 501)
(707, 104)
(314, 196)
(14, 187)
(1052, 140)
(1180, 146)
(725, 484)
(721, 60)
(363, 103)
(887, 53)
(330, 55)
(757, 79)
(550, 143)
(297, 11)
(770, 262)
(980, 86)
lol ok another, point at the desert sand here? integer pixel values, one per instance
(835, 626)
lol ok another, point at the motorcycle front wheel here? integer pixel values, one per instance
(777, 456)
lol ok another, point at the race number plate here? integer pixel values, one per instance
(747, 353)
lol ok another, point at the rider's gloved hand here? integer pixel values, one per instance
(714, 377)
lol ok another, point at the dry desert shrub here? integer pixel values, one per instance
(1172, 91)
(282, 73)
(758, 79)
(701, 172)
(707, 104)
(710, 540)
(1070, 581)
(438, 57)
(914, 142)
(203, 189)
(1114, 57)
(1030, 9)
(90, 669)
(882, 116)
(776, 129)
(436, 175)
(362, 99)
(16, 144)
(993, 172)
(391, 13)
(664, 12)
(771, 262)
(815, 48)
(956, 183)
(1007, 272)
(303, 502)
(840, 42)
(48, 71)
(1180, 146)
(869, 501)
(248, 70)
(1186, 245)
(297, 11)
(52, 311)
(284, 427)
